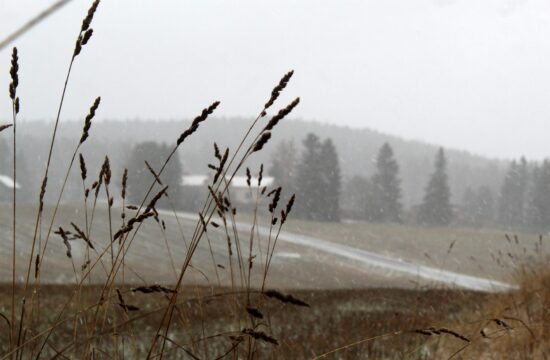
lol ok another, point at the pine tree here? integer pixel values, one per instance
(436, 208)
(485, 205)
(513, 194)
(469, 206)
(332, 182)
(523, 195)
(384, 202)
(318, 181)
(506, 199)
(355, 197)
(309, 184)
(283, 165)
(478, 206)
(140, 178)
(539, 204)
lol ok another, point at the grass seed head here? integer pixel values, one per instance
(195, 124)
(281, 114)
(217, 153)
(264, 138)
(278, 88)
(85, 30)
(89, 17)
(248, 177)
(4, 127)
(88, 120)
(14, 70)
(275, 200)
(260, 335)
(285, 298)
(260, 175)
(106, 171)
(124, 183)
(83, 170)
(289, 204)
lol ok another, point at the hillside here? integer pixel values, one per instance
(357, 149)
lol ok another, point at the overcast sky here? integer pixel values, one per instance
(467, 74)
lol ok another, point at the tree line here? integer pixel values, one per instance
(525, 196)
(314, 174)
(521, 204)
(356, 148)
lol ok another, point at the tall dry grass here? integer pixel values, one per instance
(472, 325)
(85, 321)
(114, 318)
(511, 325)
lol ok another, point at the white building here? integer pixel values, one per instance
(6, 187)
(239, 191)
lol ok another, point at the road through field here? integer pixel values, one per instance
(301, 261)
(377, 261)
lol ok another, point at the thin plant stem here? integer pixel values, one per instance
(14, 254)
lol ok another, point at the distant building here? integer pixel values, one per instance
(194, 180)
(242, 194)
(6, 187)
(195, 190)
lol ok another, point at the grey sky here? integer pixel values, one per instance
(469, 74)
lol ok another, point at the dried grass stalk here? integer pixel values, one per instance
(88, 120)
(4, 127)
(264, 138)
(83, 170)
(277, 89)
(195, 124)
(281, 115)
(153, 289)
(260, 335)
(14, 74)
(285, 298)
(124, 183)
(85, 30)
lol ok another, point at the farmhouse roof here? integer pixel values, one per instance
(237, 182)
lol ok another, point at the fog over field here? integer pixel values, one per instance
(357, 150)
(463, 74)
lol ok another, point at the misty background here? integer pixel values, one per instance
(470, 75)
(415, 76)
(357, 152)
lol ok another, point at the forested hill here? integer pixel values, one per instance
(356, 148)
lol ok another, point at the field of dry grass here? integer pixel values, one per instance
(210, 323)
(378, 323)
(387, 319)
(481, 252)
(157, 253)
